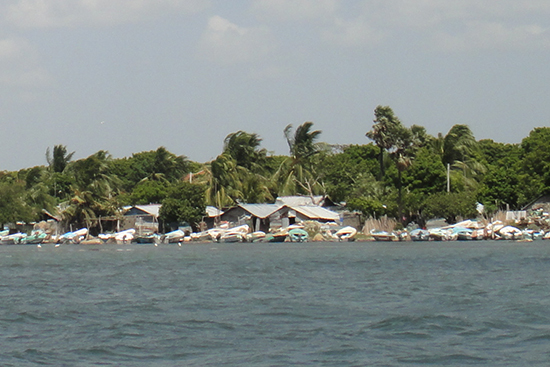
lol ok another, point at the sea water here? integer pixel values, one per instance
(309, 304)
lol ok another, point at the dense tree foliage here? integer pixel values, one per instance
(185, 202)
(402, 173)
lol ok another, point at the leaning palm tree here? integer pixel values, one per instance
(245, 149)
(222, 178)
(458, 150)
(295, 175)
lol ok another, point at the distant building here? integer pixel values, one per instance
(540, 203)
(212, 217)
(143, 218)
(259, 216)
(302, 200)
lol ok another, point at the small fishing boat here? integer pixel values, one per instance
(35, 238)
(147, 238)
(419, 234)
(383, 235)
(255, 236)
(279, 236)
(173, 237)
(345, 234)
(298, 235)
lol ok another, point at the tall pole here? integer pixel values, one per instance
(448, 177)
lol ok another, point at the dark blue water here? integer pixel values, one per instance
(313, 304)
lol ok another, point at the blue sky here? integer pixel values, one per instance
(132, 75)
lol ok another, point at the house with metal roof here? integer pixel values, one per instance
(144, 218)
(307, 212)
(301, 200)
(261, 216)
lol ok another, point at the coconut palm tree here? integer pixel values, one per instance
(245, 149)
(458, 151)
(295, 175)
(59, 160)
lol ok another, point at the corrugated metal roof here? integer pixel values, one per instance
(316, 212)
(299, 200)
(212, 212)
(261, 210)
(152, 209)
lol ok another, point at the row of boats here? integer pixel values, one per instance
(242, 233)
(464, 231)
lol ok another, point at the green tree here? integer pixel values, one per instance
(147, 192)
(451, 206)
(384, 133)
(13, 206)
(59, 159)
(185, 203)
(535, 154)
(250, 160)
(296, 175)
(458, 150)
(245, 149)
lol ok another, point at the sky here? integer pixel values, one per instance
(128, 76)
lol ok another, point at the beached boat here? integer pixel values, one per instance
(419, 234)
(13, 239)
(125, 237)
(235, 234)
(73, 237)
(173, 237)
(35, 238)
(257, 236)
(298, 235)
(509, 233)
(345, 234)
(147, 238)
(383, 235)
(438, 234)
(279, 236)
(463, 234)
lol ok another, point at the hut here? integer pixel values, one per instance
(144, 218)
(259, 216)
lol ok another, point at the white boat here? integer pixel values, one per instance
(510, 233)
(126, 236)
(383, 235)
(235, 234)
(73, 237)
(345, 234)
(255, 236)
(174, 236)
(438, 234)
(13, 239)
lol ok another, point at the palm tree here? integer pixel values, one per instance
(59, 160)
(458, 149)
(222, 177)
(295, 174)
(244, 148)
(384, 133)
(250, 160)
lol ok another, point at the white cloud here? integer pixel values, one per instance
(19, 65)
(356, 32)
(296, 9)
(494, 36)
(224, 42)
(67, 13)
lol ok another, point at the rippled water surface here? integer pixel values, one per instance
(313, 304)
